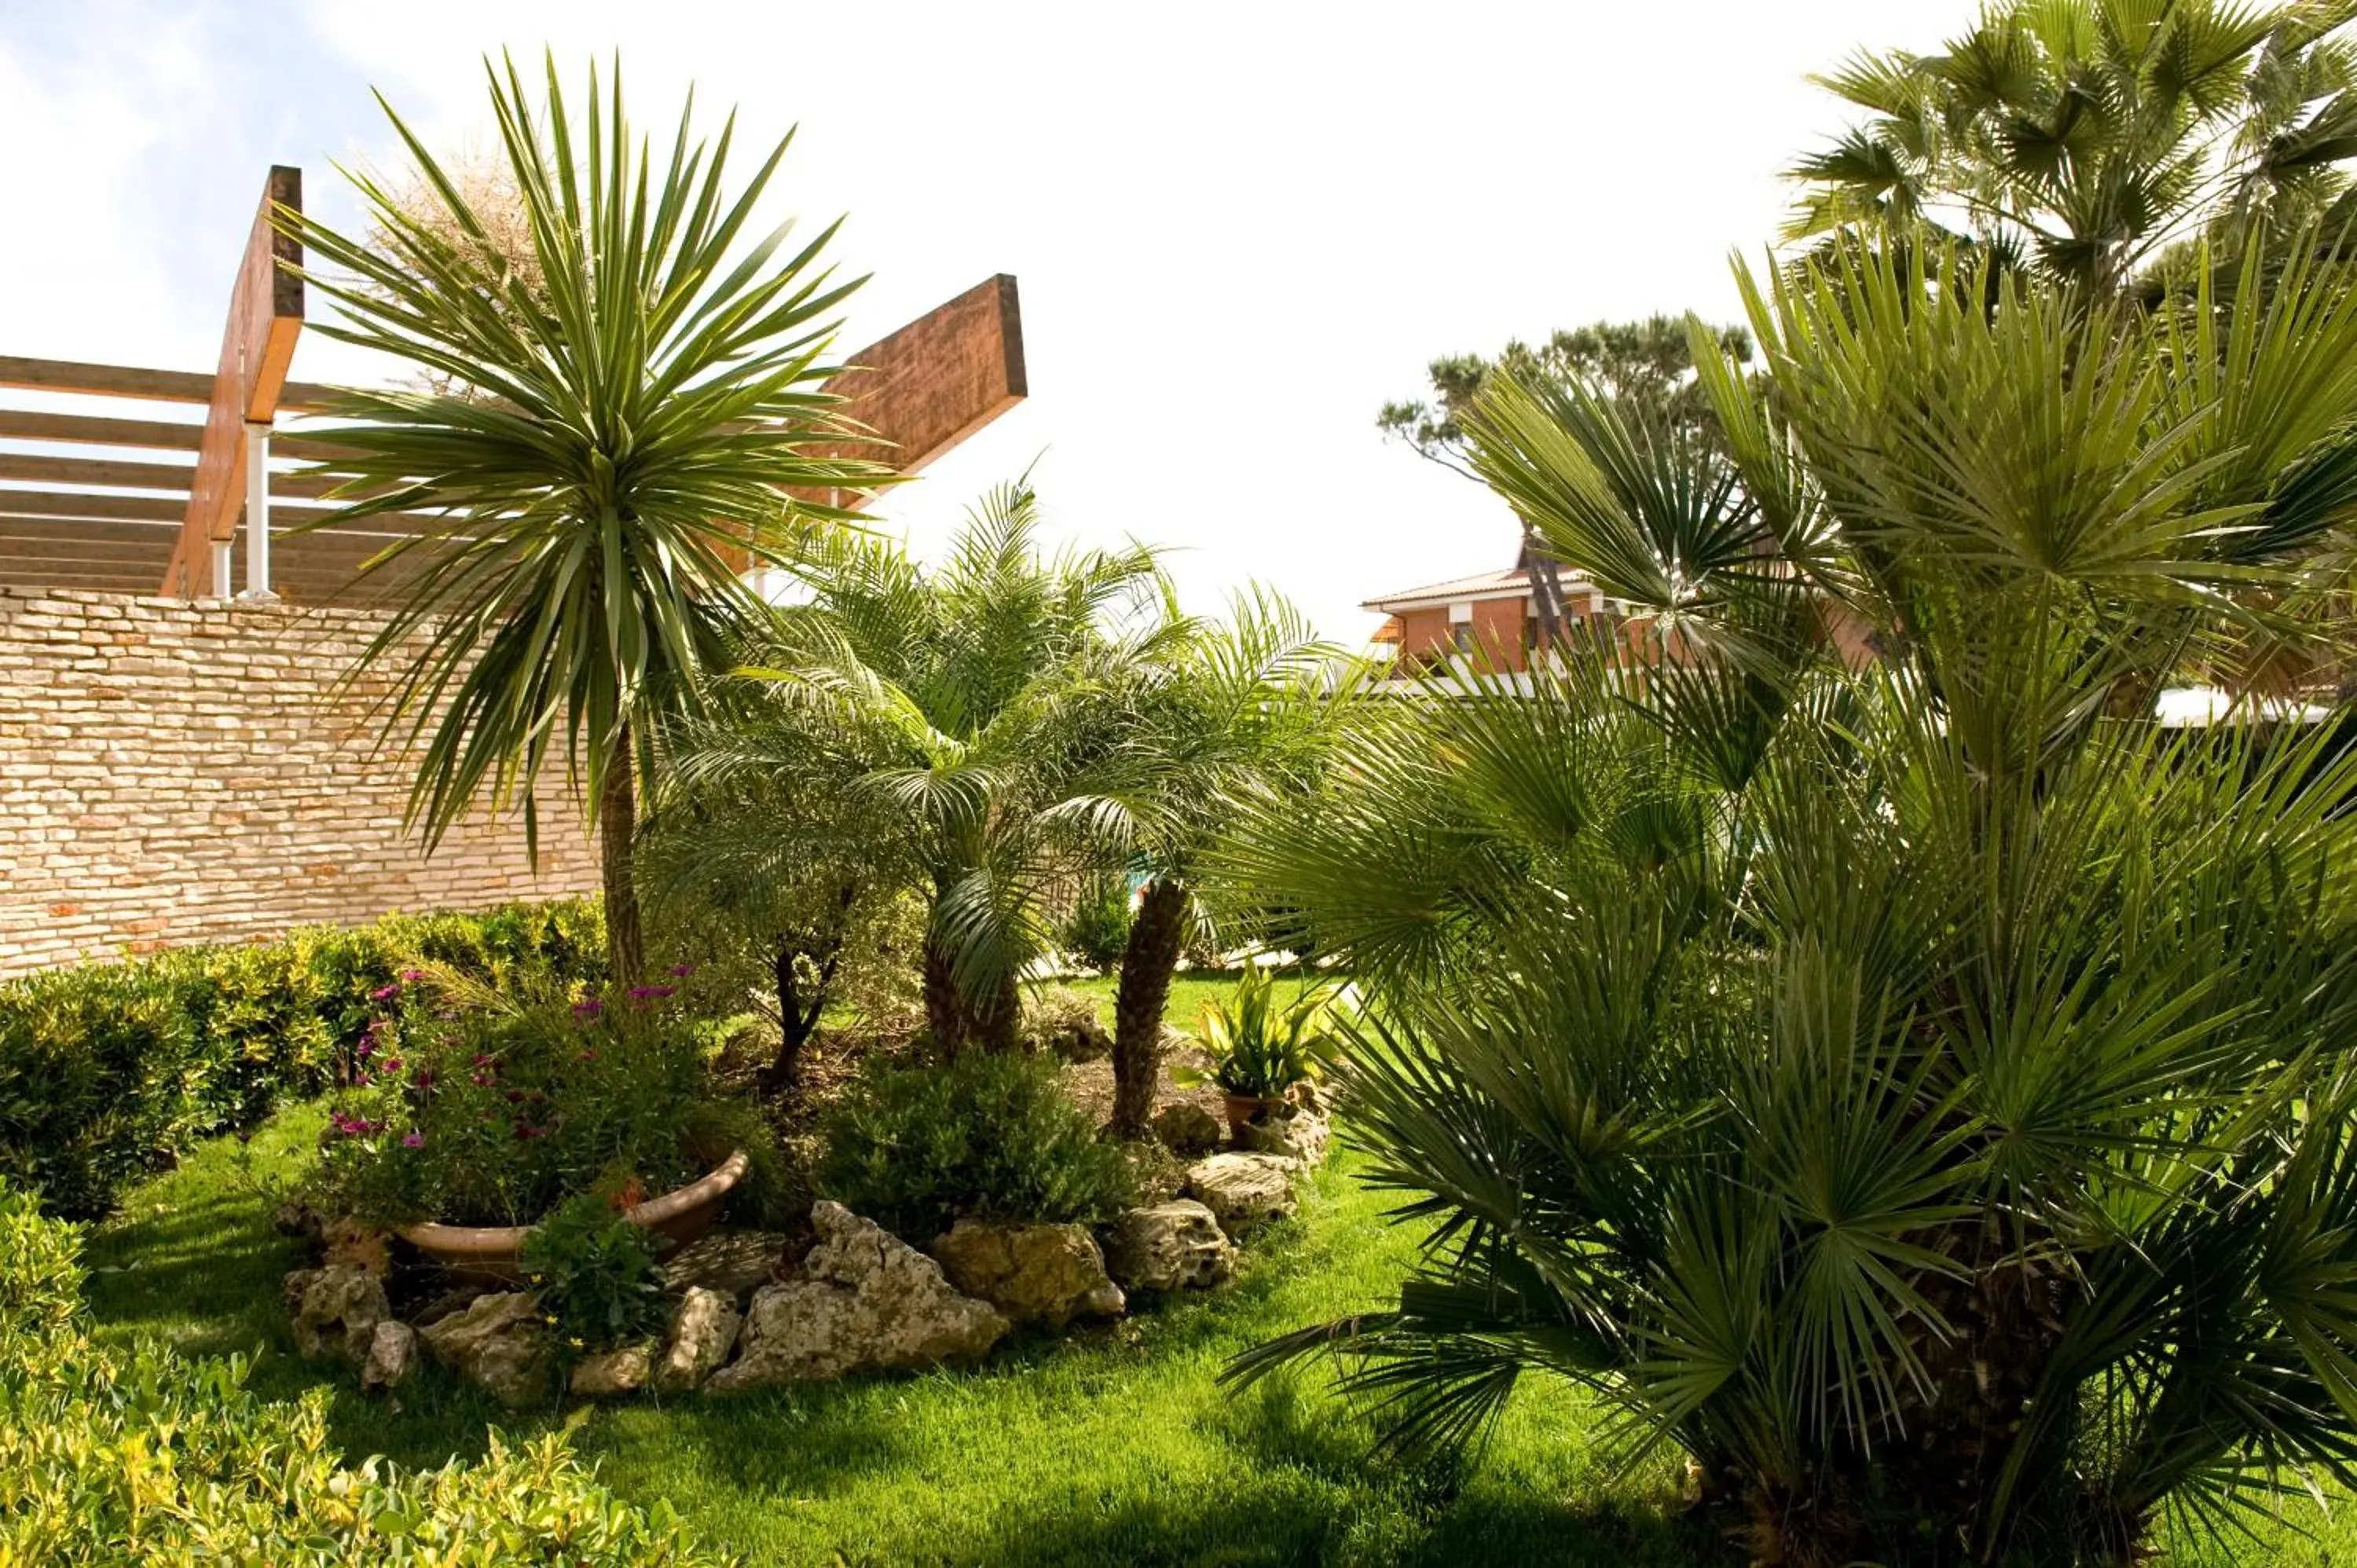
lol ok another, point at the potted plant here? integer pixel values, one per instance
(472, 1115)
(1260, 1048)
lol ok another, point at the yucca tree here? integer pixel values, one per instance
(614, 422)
(981, 709)
(1917, 1088)
(1243, 709)
(2086, 136)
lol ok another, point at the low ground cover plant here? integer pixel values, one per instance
(991, 1136)
(475, 1107)
(113, 1456)
(108, 1070)
(595, 1272)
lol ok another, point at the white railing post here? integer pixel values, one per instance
(258, 514)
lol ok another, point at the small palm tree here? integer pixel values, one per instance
(2086, 136)
(1920, 1091)
(1247, 708)
(612, 428)
(981, 710)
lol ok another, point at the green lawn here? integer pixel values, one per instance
(1113, 1446)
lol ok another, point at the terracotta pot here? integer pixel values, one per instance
(492, 1252)
(1245, 1108)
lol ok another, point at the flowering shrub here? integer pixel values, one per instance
(474, 1108)
(107, 1071)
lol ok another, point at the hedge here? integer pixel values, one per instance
(107, 1071)
(140, 1456)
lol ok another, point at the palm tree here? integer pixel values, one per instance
(1241, 710)
(609, 435)
(980, 709)
(2086, 136)
(1920, 1091)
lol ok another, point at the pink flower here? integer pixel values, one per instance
(413, 1139)
(384, 994)
(682, 970)
(413, 974)
(390, 1064)
(650, 993)
(588, 1007)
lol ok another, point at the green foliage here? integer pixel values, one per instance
(108, 1069)
(968, 720)
(596, 1272)
(2086, 136)
(111, 1456)
(986, 1134)
(1261, 1048)
(477, 1107)
(622, 418)
(1098, 928)
(1918, 1088)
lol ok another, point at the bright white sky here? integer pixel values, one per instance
(1239, 228)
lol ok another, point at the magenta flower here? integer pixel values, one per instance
(682, 970)
(413, 974)
(384, 994)
(525, 1132)
(650, 993)
(588, 1007)
(413, 1139)
(390, 1064)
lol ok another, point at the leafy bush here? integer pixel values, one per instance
(107, 1071)
(1260, 1048)
(112, 1456)
(987, 1134)
(479, 1108)
(1066, 1024)
(594, 1272)
(1098, 931)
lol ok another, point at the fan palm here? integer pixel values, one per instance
(981, 710)
(2087, 135)
(1919, 1091)
(611, 437)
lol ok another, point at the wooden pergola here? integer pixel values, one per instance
(121, 497)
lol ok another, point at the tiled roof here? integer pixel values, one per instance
(1512, 580)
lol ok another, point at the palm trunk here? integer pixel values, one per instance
(999, 1026)
(945, 1007)
(618, 826)
(1148, 962)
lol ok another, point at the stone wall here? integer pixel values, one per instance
(174, 772)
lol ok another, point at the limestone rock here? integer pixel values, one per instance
(1242, 1190)
(703, 1331)
(349, 1243)
(612, 1372)
(499, 1341)
(337, 1311)
(865, 1301)
(392, 1353)
(1187, 1129)
(1300, 1136)
(734, 1263)
(1169, 1246)
(1307, 1095)
(1034, 1274)
(1064, 1021)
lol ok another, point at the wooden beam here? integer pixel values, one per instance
(940, 378)
(116, 472)
(151, 385)
(265, 315)
(159, 435)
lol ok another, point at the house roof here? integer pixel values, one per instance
(1511, 583)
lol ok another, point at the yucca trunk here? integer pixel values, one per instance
(618, 826)
(1148, 959)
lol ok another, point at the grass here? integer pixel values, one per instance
(1116, 1445)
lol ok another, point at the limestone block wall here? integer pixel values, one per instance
(174, 772)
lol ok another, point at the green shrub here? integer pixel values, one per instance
(109, 1457)
(107, 1071)
(596, 1272)
(987, 1135)
(1098, 931)
(478, 1107)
